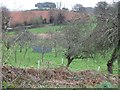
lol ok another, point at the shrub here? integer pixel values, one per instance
(37, 21)
(105, 84)
(5, 85)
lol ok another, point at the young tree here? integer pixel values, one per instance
(56, 38)
(42, 45)
(23, 38)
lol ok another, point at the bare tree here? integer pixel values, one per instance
(23, 38)
(56, 40)
(27, 17)
(5, 18)
(42, 45)
(73, 38)
(57, 16)
(105, 36)
(5, 23)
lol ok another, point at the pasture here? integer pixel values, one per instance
(51, 61)
(31, 60)
(45, 29)
(38, 30)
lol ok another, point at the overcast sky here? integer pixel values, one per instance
(30, 4)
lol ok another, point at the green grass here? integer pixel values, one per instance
(44, 29)
(51, 28)
(31, 59)
(50, 61)
(11, 33)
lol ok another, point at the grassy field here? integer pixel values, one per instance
(38, 30)
(51, 28)
(50, 61)
(44, 29)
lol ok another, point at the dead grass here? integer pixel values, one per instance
(59, 77)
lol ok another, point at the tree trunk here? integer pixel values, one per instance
(42, 56)
(25, 52)
(55, 47)
(42, 53)
(7, 45)
(3, 55)
(113, 58)
(68, 56)
(15, 56)
(55, 51)
(69, 61)
(20, 48)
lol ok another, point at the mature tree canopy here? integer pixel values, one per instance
(89, 10)
(73, 38)
(79, 8)
(45, 5)
(105, 36)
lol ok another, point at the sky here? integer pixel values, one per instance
(30, 4)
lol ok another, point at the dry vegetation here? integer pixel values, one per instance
(60, 77)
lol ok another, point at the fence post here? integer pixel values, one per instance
(62, 61)
(38, 64)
